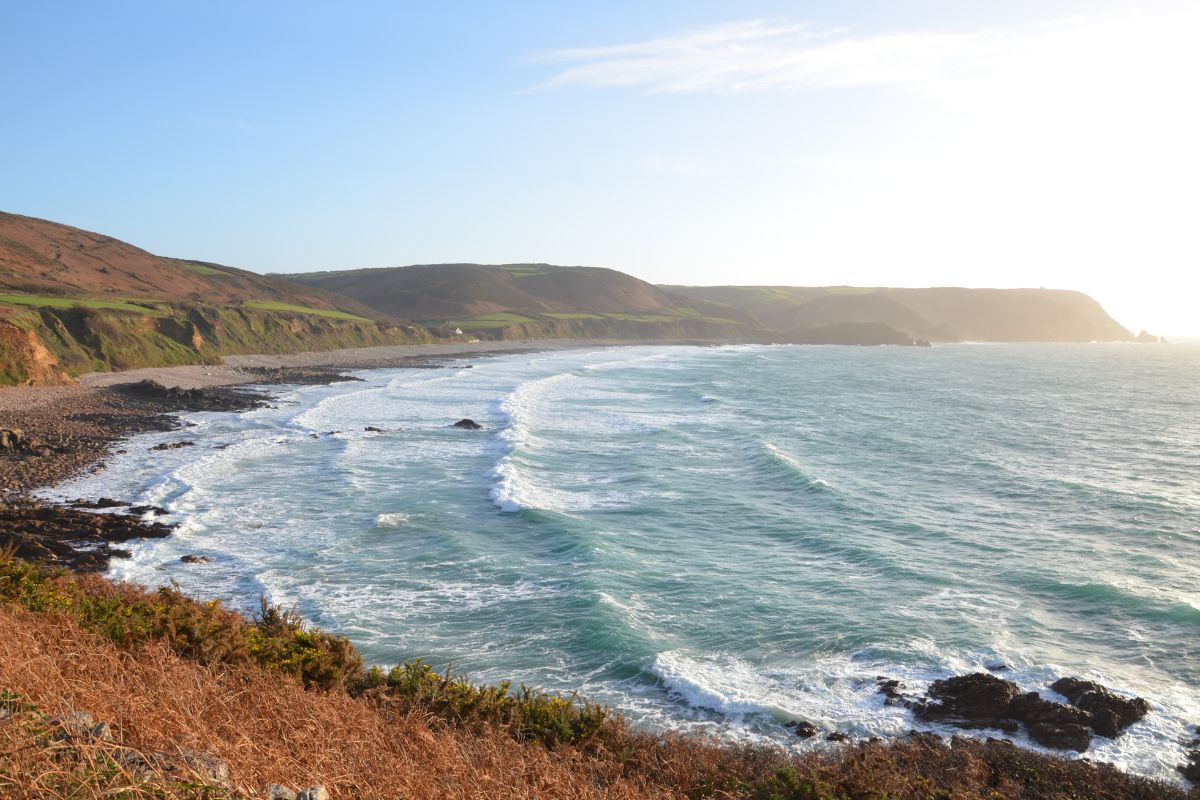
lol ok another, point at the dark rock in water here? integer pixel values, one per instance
(922, 343)
(1110, 712)
(313, 436)
(173, 445)
(837, 736)
(1032, 708)
(192, 399)
(980, 700)
(998, 667)
(103, 502)
(373, 429)
(190, 559)
(1061, 737)
(157, 511)
(1191, 769)
(890, 688)
(802, 728)
(974, 697)
(468, 424)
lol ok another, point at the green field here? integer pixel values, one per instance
(41, 301)
(500, 319)
(277, 305)
(202, 269)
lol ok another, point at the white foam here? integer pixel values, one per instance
(392, 520)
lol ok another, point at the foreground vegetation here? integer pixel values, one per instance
(281, 702)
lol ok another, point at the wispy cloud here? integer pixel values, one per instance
(757, 54)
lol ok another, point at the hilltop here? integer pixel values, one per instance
(537, 300)
(73, 301)
(531, 301)
(946, 314)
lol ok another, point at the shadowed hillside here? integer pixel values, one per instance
(935, 314)
(532, 300)
(539, 300)
(73, 301)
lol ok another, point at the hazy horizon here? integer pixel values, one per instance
(1044, 144)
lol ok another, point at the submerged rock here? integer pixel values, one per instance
(373, 429)
(468, 424)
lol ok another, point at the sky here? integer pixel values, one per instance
(1026, 143)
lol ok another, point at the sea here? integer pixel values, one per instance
(720, 540)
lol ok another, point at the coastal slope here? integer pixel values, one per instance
(938, 314)
(542, 300)
(74, 301)
(509, 301)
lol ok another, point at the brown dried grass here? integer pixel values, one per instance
(270, 730)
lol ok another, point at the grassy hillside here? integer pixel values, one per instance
(936, 314)
(532, 301)
(72, 301)
(540, 300)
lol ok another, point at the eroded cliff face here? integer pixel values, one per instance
(50, 345)
(24, 359)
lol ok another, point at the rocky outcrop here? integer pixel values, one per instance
(802, 728)
(982, 701)
(1190, 769)
(468, 424)
(1110, 713)
(173, 445)
(193, 399)
(70, 537)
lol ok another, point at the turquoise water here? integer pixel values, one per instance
(723, 539)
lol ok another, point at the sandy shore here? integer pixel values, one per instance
(250, 369)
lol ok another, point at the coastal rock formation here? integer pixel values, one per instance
(70, 537)
(802, 728)
(1110, 712)
(1191, 769)
(191, 559)
(192, 399)
(14, 441)
(980, 700)
(468, 424)
(173, 445)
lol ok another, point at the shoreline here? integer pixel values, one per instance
(259, 369)
(49, 435)
(120, 413)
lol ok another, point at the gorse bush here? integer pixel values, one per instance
(277, 639)
(527, 713)
(205, 632)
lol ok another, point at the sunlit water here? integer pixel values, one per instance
(722, 539)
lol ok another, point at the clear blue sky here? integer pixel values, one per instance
(1017, 143)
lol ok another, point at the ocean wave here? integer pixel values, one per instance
(839, 692)
(393, 519)
(514, 489)
(795, 468)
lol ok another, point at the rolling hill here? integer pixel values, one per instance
(532, 300)
(73, 301)
(945, 314)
